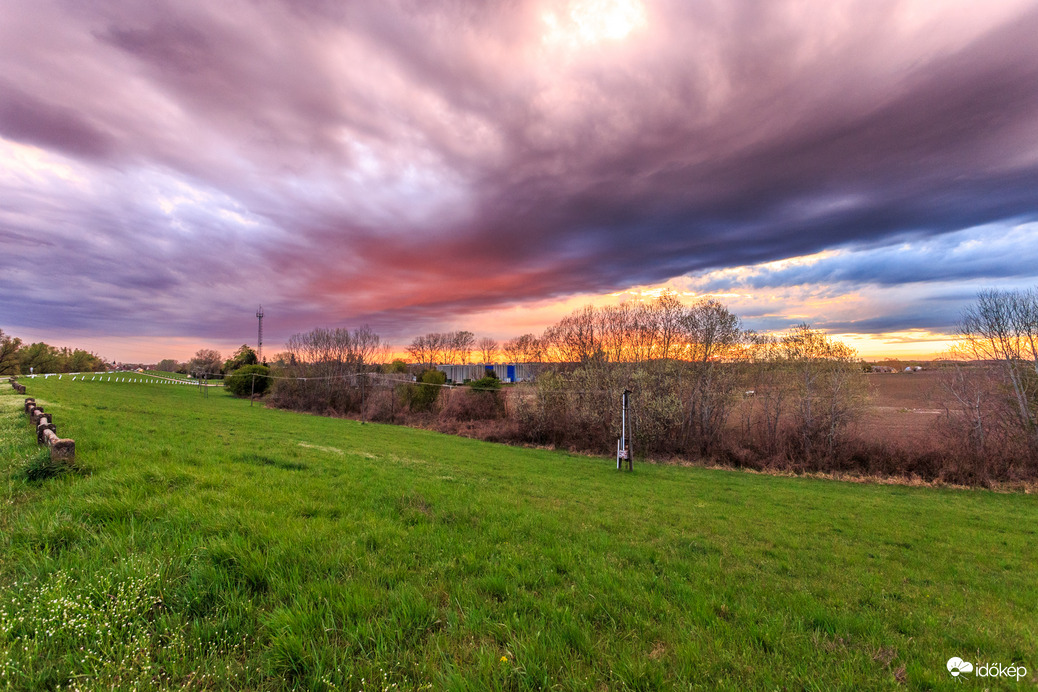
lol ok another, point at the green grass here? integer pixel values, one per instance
(204, 544)
(169, 375)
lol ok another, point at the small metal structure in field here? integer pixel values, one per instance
(259, 336)
(625, 443)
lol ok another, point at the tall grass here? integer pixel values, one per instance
(206, 544)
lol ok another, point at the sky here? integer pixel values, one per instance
(167, 167)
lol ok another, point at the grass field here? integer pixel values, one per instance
(204, 544)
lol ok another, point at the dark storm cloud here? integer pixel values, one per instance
(27, 119)
(400, 163)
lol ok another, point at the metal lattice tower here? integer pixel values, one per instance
(259, 349)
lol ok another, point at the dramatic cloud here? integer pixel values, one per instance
(166, 166)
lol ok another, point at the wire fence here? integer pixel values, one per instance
(374, 378)
(139, 378)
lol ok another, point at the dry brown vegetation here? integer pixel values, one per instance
(705, 391)
(904, 433)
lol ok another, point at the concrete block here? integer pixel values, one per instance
(64, 450)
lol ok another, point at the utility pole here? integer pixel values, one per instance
(259, 346)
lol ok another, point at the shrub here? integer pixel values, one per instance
(480, 401)
(543, 413)
(421, 396)
(488, 384)
(240, 383)
(380, 405)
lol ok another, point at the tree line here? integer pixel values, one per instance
(702, 387)
(17, 358)
(691, 369)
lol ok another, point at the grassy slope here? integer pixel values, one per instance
(216, 545)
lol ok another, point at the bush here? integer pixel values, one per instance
(240, 383)
(421, 397)
(380, 405)
(334, 396)
(480, 401)
(488, 384)
(543, 415)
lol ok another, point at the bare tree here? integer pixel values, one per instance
(574, 339)
(629, 332)
(522, 349)
(368, 347)
(829, 386)
(439, 343)
(644, 330)
(1002, 326)
(711, 335)
(460, 345)
(329, 369)
(336, 352)
(668, 315)
(442, 347)
(768, 382)
(971, 402)
(1025, 313)
(512, 350)
(615, 326)
(422, 351)
(488, 348)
